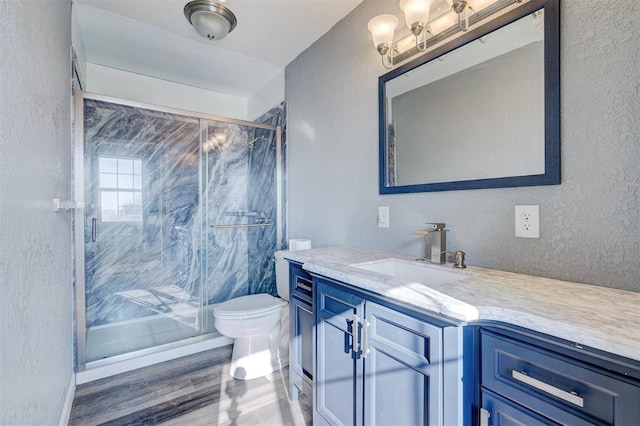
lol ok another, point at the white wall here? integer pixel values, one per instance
(590, 224)
(136, 87)
(35, 242)
(76, 42)
(269, 96)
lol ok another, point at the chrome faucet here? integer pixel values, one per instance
(438, 238)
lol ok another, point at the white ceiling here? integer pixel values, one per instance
(153, 38)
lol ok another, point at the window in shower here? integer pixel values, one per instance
(120, 189)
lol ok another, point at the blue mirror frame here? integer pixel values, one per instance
(551, 174)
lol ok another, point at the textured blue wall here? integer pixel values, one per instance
(35, 243)
(589, 225)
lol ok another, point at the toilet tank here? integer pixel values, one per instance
(282, 278)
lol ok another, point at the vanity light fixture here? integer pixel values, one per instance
(461, 9)
(416, 14)
(382, 28)
(451, 17)
(210, 19)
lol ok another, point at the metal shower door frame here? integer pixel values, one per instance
(78, 228)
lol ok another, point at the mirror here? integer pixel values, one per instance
(480, 111)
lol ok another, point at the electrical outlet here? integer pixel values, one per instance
(528, 221)
(383, 217)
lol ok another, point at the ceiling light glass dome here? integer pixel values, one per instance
(211, 20)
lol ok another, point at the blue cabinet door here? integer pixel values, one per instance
(300, 349)
(301, 333)
(338, 375)
(403, 368)
(374, 364)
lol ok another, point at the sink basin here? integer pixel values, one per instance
(412, 271)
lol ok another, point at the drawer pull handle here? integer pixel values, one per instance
(545, 387)
(300, 283)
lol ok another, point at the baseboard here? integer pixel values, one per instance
(68, 401)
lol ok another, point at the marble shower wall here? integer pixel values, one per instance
(141, 191)
(155, 250)
(225, 201)
(262, 194)
(241, 189)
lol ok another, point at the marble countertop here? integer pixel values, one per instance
(599, 317)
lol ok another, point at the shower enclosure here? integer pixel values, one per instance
(182, 211)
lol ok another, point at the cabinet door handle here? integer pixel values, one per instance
(365, 334)
(355, 343)
(484, 417)
(545, 387)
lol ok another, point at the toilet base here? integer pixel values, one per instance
(257, 356)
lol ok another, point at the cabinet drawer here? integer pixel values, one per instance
(301, 282)
(554, 385)
(503, 412)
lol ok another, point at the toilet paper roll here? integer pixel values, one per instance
(299, 244)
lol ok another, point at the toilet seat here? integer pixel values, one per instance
(251, 306)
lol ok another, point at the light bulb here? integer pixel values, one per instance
(416, 14)
(382, 28)
(210, 25)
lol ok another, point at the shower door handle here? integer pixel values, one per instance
(94, 229)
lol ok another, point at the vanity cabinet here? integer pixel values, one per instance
(374, 363)
(372, 351)
(301, 332)
(529, 381)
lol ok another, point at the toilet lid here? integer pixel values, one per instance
(250, 306)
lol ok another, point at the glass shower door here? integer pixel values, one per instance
(241, 222)
(182, 211)
(142, 237)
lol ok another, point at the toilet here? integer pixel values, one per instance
(259, 323)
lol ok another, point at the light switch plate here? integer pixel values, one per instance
(528, 221)
(383, 217)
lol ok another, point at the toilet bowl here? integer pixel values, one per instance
(259, 325)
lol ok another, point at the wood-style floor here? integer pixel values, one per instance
(194, 390)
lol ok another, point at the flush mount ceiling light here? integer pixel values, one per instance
(211, 20)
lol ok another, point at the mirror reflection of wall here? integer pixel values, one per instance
(484, 122)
